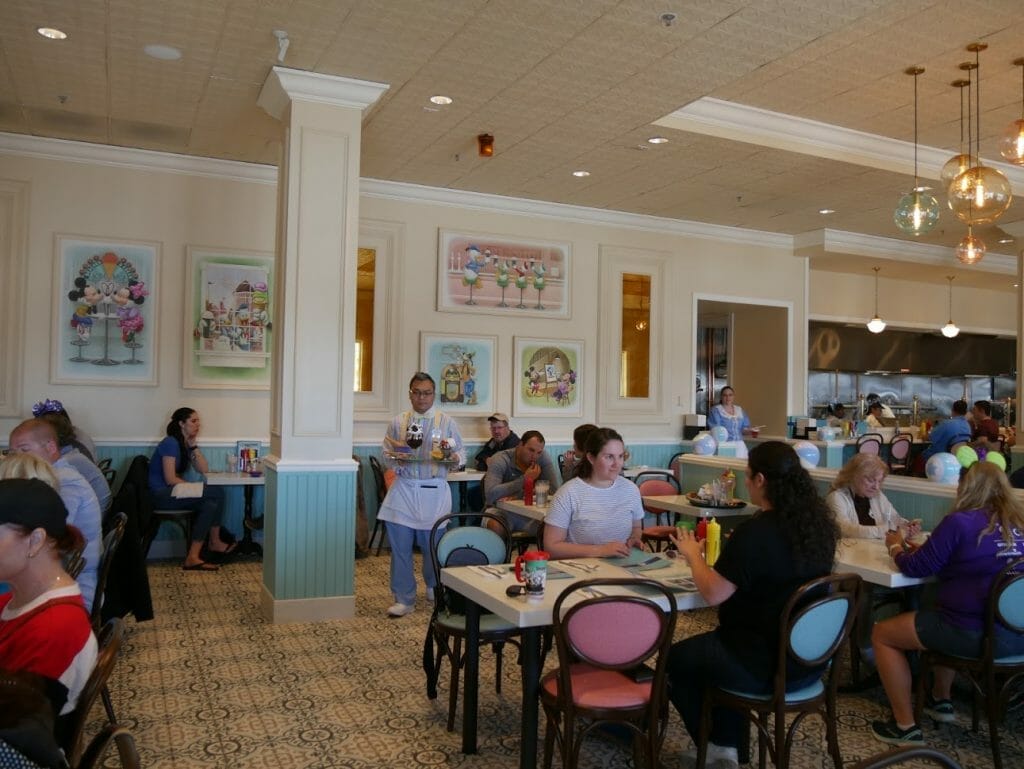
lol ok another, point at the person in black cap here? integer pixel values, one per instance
(502, 437)
(44, 627)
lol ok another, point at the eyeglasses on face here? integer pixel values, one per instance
(421, 393)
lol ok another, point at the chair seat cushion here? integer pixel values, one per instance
(600, 689)
(489, 623)
(802, 694)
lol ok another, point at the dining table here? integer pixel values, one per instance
(519, 507)
(686, 505)
(462, 479)
(485, 588)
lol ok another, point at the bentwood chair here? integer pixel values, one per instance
(109, 639)
(475, 545)
(992, 678)
(382, 491)
(815, 624)
(654, 483)
(914, 753)
(96, 750)
(603, 640)
(111, 541)
(869, 443)
(899, 453)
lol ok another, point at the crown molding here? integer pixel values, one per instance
(413, 193)
(826, 242)
(136, 159)
(752, 125)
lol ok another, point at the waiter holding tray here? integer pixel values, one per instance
(420, 446)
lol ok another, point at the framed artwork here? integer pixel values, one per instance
(463, 367)
(228, 333)
(501, 275)
(105, 315)
(547, 377)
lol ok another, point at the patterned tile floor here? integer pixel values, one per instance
(209, 683)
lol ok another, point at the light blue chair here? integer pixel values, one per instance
(462, 546)
(815, 624)
(992, 678)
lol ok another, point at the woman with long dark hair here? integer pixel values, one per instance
(968, 548)
(599, 512)
(173, 456)
(789, 541)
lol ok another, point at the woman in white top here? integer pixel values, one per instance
(730, 416)
(598, 513)
(860, 507)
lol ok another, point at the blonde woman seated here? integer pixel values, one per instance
(861, 509)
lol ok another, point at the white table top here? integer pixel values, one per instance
(679, 503)
(517, 506)
(235, 479)
(489, 591)
(870, 559)
(464, 476)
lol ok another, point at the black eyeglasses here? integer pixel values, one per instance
(421, 393)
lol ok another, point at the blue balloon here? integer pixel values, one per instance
(808, 453)
(719, 433)
(943, 468)
(704, 444)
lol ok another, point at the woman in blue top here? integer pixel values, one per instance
(730, 416)
(171, 459)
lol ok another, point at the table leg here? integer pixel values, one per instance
(471, 678)
(531, 698)
(247, 546)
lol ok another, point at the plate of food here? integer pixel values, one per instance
(698, 501)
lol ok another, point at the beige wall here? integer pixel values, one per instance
(181, 209)
(759, 354)
(908, 304)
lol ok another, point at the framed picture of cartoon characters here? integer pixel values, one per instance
(463, 368)
(105, 311)
(547, 377)
(228, 329)
(502, 275)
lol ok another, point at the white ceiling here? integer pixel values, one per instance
(562, 85)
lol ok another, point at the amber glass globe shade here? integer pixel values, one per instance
(955, 166)
(979, 195)
(1011, 146)
(970, 250)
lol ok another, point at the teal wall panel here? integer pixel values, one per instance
(310, 534)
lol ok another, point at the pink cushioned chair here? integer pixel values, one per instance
(603, 637)
(899, 453)
(869, 443)
(657, 484)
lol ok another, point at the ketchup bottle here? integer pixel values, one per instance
(702, 529)
(527, 491)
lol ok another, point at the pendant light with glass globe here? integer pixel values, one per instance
(950, 330)
(970, 249)
(980, 194)
(876, 325)
(1011, 146)
(917, 212)
(960, 162)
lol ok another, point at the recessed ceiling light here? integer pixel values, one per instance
(1005, 240)
(442, 100)
(1016, 285)
(162, 52)
(581, 173)
(657, 140)
(52, 33)
(826, 211)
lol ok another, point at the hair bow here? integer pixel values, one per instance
(47, 406)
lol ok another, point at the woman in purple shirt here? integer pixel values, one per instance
(967, 550)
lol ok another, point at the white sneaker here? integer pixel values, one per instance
(400, 610)
(722, 756)
(430, 595)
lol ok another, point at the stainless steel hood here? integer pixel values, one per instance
(835, 347)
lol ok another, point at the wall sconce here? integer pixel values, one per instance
(485, 145)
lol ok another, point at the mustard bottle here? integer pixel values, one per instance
(713, 545)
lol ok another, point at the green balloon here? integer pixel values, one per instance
(966, 456)
(997, 459)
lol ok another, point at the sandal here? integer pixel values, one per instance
(200, 566)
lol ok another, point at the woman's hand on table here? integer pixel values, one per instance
(613, 549)
(688, 545)
(635, 542)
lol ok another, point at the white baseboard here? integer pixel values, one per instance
(306, 609)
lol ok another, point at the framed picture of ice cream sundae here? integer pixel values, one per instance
(502, 275)
(228, 328)
(104, 312)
